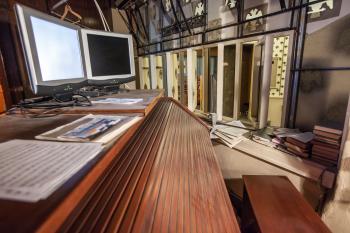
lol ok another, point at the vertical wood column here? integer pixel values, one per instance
(238, 72)
(190, 79)
(153, 71)
(220, 82)
(142, 82)
(266, 79)
(169, 81)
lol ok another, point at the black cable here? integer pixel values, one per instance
(58, 103)
(50, 108)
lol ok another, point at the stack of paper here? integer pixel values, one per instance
(32, 170)
(230, 134)
(285, 132)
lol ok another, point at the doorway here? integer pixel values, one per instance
(212, 78)
(179, 79)
(250, 83)
(229, 80)
(199, 79)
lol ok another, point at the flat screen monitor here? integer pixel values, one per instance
(53, 52)
(109, 57)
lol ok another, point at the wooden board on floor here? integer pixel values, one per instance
(278, 207)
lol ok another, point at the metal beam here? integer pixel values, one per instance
(143, 23)
(283, 4)
(130, 27)
(165, 13)
(184, 17)
(133, 16)
(122, 4)
(175, 15)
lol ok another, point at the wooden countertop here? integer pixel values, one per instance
(279, 207)
(160, 176)
(150, 98)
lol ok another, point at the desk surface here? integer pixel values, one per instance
(279, 207)
(150, 98)
(160, 176)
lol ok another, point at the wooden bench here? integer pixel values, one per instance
(272, 204)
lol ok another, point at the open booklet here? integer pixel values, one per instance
(91, 128)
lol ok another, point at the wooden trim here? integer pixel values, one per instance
(4, 94)
(62, 212)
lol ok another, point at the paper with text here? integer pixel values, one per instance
(32, 170)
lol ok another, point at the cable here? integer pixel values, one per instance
(103, 16)
(49, 108)
(104, 21)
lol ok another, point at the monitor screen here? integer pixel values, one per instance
(53, 52)
(109, 55)
(58, 50)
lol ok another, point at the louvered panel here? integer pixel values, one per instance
(166, 179)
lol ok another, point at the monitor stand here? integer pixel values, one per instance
(64, 97)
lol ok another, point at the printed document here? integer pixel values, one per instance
(31, 170)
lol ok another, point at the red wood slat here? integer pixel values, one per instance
(166, 179)
(103, 190)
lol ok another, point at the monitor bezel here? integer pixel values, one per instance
(109, 79)
(38, 85)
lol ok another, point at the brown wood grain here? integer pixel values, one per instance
(150, 98)
(166, 179)
(278, 206)
(4, 90)
(160, 176)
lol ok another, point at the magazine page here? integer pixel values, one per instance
(91, 128)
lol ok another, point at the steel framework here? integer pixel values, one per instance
(182, 28)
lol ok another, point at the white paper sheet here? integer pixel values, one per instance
(117, 101)
(32, 170)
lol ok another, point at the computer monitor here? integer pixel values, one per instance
(109, 57)
(53, 52)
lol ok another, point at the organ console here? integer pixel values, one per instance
(160, 176)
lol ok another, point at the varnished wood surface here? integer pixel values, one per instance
(166, 179)
(160, 176)
(4, 89)
(278, 207)
(32, 215)
(20, 127)
(150, 98)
